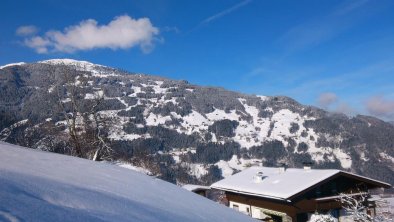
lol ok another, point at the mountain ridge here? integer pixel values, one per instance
(195, 134)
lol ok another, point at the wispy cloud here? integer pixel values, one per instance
(170, 29)
(321, 29)
(372, 76)
(348, 6)
(225, 12)
(327, 99)
(345, 108)
(26, 30)
(380, 107)
(331, 102)
(122, 32)
(313, 84)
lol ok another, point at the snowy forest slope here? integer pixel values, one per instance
(180, 132)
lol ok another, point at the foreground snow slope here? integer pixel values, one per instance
(41, 186)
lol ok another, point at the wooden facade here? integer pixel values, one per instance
(295, 211)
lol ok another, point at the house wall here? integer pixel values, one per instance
(243, 208)
(256, 204)
(257, 212)
(312, 205)
(252, 206)
(281, 208)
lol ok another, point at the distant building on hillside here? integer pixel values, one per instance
(280, 194)
(198, 189)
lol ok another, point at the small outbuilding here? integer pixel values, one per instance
(198, 189)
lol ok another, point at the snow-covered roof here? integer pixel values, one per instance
(193, 187)
(41, 186)
(276, 183)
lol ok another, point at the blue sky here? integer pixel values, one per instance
(338, 55)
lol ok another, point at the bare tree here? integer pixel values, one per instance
(85, 125)
(356, 204)
(72, 114)
(95, 124)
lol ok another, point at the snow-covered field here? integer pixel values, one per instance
(41, 186)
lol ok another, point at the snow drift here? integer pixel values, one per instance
(41, 186)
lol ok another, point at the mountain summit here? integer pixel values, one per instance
(180, 132)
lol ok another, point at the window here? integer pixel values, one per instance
(248, 211)
(235, 207)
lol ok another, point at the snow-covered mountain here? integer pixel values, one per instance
(42, 186)
(182, 132)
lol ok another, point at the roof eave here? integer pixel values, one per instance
(366, 179)
(250, 193)
(346, 174)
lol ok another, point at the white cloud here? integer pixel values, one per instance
(26, 30)
(327, 99)
(380, 107)
(122, 32)
(38, 43)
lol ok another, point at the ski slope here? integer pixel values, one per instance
(41, 186)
